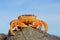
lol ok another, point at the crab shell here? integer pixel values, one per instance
(27, 19)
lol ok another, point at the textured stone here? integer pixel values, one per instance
(2, 36)
(30, 33)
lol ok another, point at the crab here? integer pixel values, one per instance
(25, 20)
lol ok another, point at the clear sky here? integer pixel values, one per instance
(47, 10)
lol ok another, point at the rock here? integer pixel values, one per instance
(29, 33)
(2, 36)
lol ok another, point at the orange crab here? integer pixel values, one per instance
(25, 20)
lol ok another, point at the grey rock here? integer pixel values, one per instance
(30, 33)
(2, 36)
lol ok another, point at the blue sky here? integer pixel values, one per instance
(47, 10)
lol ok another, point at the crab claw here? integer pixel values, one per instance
(30, 25)
(26, 26)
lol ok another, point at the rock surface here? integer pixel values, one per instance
(30, 34)
(2, 36)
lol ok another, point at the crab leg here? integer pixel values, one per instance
(35, 24)
(38, 24)
(10, 28)
(21, 24)
(16, 23)
(45, 25)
